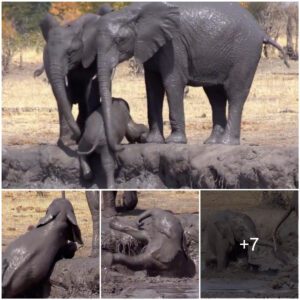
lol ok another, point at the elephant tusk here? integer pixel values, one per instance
(66, 81)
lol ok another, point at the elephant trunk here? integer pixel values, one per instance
(104, 77)
(57, 80)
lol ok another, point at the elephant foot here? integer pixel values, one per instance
(216, 135)
(95, 252)
(106, 259)
(87, 175)
(176, 138)
(229, 140)
(155, 138)
(109, 212)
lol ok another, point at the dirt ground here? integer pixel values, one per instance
(271, 280)
(21, 209)
(119, 282)
(270, 116)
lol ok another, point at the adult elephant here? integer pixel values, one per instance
(70, 70)
(129, 198)
(213, 45)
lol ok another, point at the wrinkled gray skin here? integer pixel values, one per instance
(28, 261)
(165, 251)
(213, 45)
(94, 139)
(70, 70)
(130, 200)
(93, 199)
(225, 230)
(292, 207)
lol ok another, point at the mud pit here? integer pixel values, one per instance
(120, 282)
(157, 166)
(271, 278)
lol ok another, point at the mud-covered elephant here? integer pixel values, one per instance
(28, 261)
(70, 70)
(129, 198)
(94, 139)
(165, 252)
(292, 207)
(224, 232)
(213, 45)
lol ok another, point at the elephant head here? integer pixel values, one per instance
(61, 210)
(138, 30)
(67, 47)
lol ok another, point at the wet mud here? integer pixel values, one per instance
(120, 282)
(148, 166)
(264, 275)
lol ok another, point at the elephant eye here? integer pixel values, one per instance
(120, 40)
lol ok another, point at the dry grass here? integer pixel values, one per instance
(270, 115)
(21, 209)
(177, 201)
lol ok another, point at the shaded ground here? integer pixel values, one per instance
(272, 279)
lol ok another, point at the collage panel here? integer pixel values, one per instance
(152, 250)
(75, 115)
(50, 244)
(249, 244)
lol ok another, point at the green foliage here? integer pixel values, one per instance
(25, 16)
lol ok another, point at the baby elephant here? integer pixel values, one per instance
(28, 261)
(165, 253)
(94, 139)
(225, 230)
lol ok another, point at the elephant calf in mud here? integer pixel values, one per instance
(225, 231)
(94, 138)
(28, 261)
(165, 252)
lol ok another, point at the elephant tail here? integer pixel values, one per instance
(270, 41)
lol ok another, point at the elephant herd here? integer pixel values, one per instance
(213, 45)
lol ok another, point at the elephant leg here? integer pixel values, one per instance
(155, 96)
(175, 93)
(92, 198)
(140, 235)
(82, 115)
(108, 163)
(85, 168)
(221, 258)
(237, 89)
(109, 206)
(65, 133)
(138, 262)
(130, 199)
(217, 99)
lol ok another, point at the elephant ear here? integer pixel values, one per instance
(46, 24)
(76, 233)
(226, 231)
(156, 24)
(89, 37)
(50, 216)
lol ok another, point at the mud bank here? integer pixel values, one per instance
(157, 166)
(75, 278)
(120, 282)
